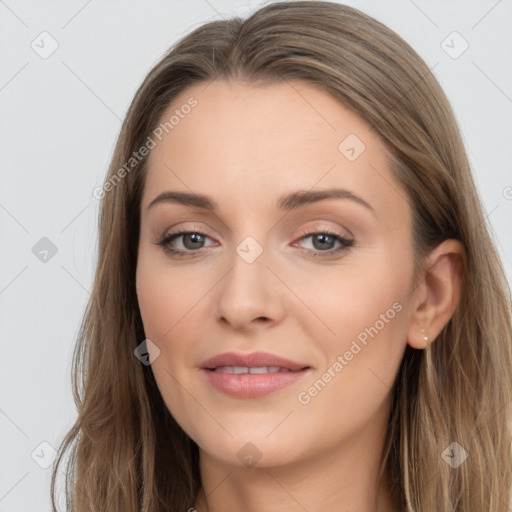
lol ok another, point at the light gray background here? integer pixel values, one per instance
(59, 119)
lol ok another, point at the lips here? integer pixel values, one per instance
(251, 375)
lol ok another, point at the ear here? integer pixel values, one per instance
(437, 294)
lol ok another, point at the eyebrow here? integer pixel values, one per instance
(288, 202)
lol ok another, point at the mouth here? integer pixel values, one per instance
(252, 375)
(240, 370)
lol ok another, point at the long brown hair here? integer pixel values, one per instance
(126, 451)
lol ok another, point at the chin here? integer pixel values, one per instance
(251, 449)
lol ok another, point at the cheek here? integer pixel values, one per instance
(166, 299)
(360, 329)
(169, 310)
(166, 306)
(350, 392)
(348, 299)
(170, 302)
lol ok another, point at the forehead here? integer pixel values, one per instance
(252, 142)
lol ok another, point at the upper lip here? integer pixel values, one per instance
(252, 360)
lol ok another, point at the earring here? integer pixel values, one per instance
(425, 337)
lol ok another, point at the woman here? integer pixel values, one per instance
(297, 304)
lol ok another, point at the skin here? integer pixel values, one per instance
(245, 146)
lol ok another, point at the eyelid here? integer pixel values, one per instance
(338, 231)
(172, 235)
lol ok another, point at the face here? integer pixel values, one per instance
(266, 266)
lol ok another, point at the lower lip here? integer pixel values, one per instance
(252, 385)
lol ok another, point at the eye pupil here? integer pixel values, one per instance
(323, 239)
(196, 239)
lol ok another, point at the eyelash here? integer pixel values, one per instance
(346, 243)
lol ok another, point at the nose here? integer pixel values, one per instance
(249, 294)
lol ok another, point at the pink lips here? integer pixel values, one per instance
(251, 375)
